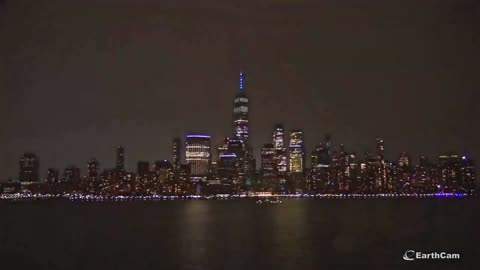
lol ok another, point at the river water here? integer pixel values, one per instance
(239, 234)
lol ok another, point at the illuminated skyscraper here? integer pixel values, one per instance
(198, 154)
(120, 159)
(320, 173)
(423, 176)
(280, 150)
(93, 167)
(240, 113)
(380, 149)
(380, 178)
(450, 172)
(227, 167)
(163, 170)
(296, 152)
(222, 148)
(237, 147)
(467, 175)
(29, 166)
(269, 164)
(52, 176)
(329, 144)
(404, 172)
(176, 153)
(71, 174)
(404, 160)
(320, 157)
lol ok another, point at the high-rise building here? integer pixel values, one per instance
(320, 180)
(176, 153)
(467, 175)
(404, 160)
(222, 148)
(52, 176)
(380, 149)
(185, 173)
(240, 113)
(163, 170)
(269, 164)
(329, 144)
(271, 178)
(71, 174)
(227, 167)
(296, 152)
(424, 181)
(93, 167)
(320, 157)
(280, 150)
(369, 183)
(238, 148)
(450, 172)
(380, 178)
(120, 158)
(29, 167)
(198, 154)
(143, 168)
(404, 172)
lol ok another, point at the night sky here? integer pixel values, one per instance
(78, 78)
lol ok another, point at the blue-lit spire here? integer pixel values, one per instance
(242, 81)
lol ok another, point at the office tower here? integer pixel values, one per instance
(423, 180)
(354, 173)
(371, 162)
(222, 148)
(341, 168)
(143, 168)
(279, 137)
(404, 160)
(391, 169)
(380, 149)
(320, 156)
(268, 171)
(52, 176)
(296, 152)
(71, 174)
(380, 178)
(240, 113)
(185, 173)
(269, 164)
(467, 175)
(163, 170)
(241, 133)
(198, 154)
(404, 173)
(176, 153)
(280, 150)
(93, 167)
(120, 159)
(184, 183)
(329, 144)
(237, 147)
(450, 172)
(227, 168)
(29, 166)
(320, 172)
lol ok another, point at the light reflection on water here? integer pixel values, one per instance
(234, 234)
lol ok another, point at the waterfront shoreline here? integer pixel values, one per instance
(100, 198)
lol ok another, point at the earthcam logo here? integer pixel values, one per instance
(412, 255)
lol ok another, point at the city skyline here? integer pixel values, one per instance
(71, 90)
(290, 143)
(293, 145)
